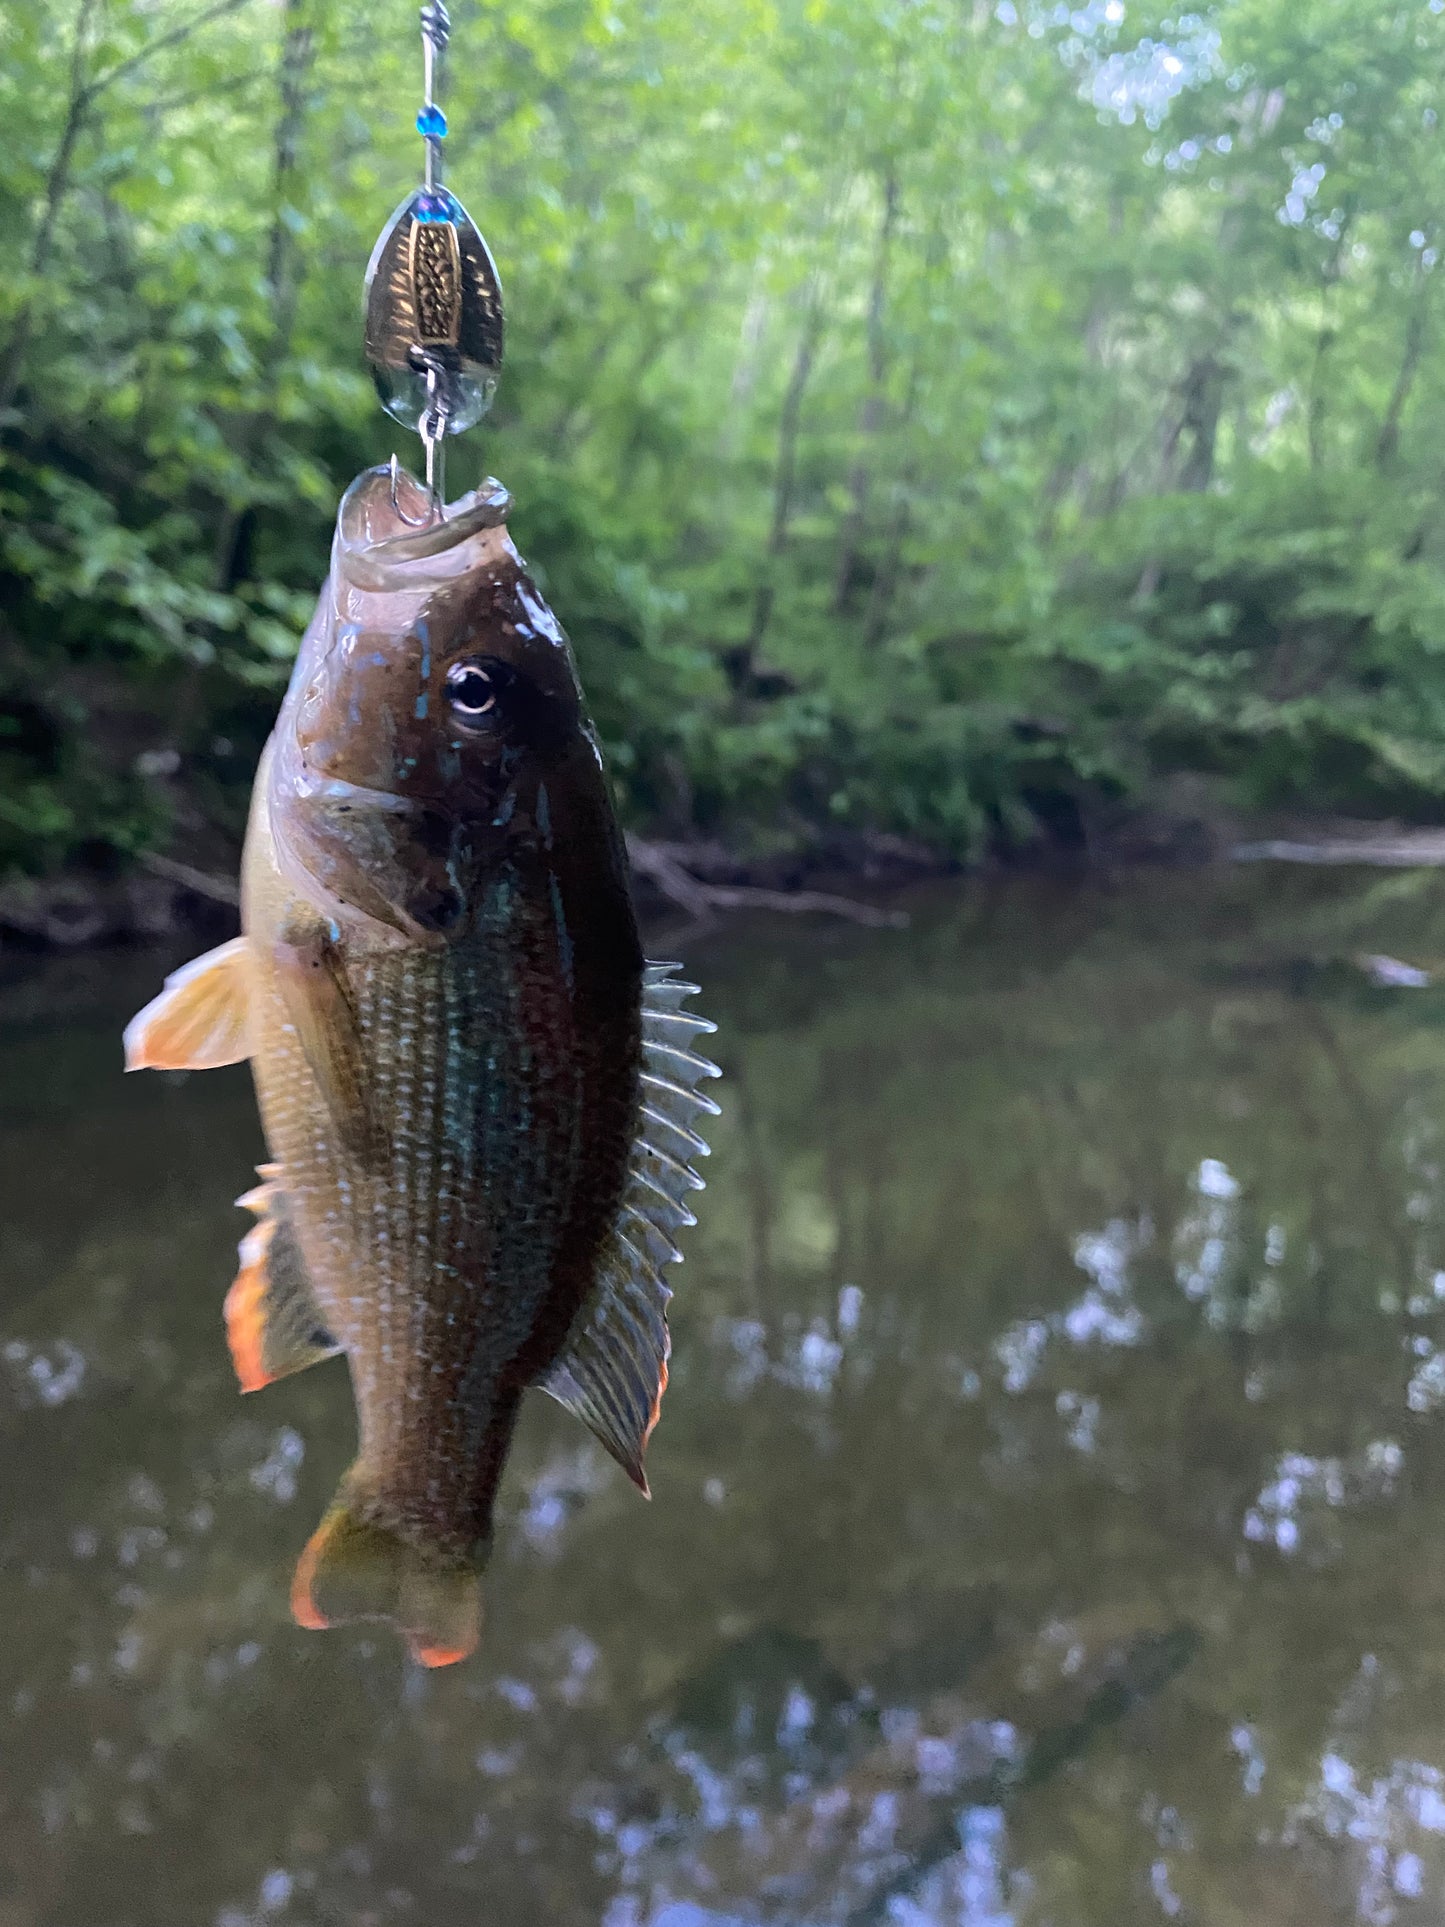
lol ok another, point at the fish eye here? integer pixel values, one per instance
(471, 691)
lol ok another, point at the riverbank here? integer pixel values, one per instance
(162, 895)
(855, 877)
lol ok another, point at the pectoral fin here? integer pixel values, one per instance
(199, 1020)
(312, 977)
(612, 1371)
(274, 1326)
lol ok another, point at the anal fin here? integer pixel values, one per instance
(612, 1372)
(274, 1325)
(198, 1021)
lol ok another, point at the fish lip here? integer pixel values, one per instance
(368, 561)
(309, 784)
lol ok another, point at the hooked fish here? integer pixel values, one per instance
(478, 1097)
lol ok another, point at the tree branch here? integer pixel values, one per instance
(700, 900)
(82, 98)
(217, 889)
(173, 38)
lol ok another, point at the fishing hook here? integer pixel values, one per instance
(412, 521)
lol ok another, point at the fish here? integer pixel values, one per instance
(479, 1098)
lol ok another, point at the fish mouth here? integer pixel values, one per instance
(391, 533)
(315, 785)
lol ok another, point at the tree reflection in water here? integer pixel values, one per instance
(1048, 1499)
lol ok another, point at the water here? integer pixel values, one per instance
(1048, 1526)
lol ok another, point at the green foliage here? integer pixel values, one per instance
(927, 417)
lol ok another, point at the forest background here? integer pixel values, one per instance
(933, 419)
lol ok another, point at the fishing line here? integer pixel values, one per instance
(434, 322)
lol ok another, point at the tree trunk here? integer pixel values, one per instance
(282, 273)
(1415, 328)
(57, 185)
(890, 567)
(871, 418)
(1324, 341)
(784, 480)
(1203, 402)
(1315, 412)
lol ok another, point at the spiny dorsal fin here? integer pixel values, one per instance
(613, 1370)
(274, 1325)
(198, 1021)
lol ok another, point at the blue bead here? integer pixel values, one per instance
(438, 206)
(432, 122)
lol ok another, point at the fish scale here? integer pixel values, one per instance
(408, 1008)
(479, 1101)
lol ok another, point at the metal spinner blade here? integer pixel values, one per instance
(433, 313)
(433, 299)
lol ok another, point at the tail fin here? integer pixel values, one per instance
(355, 1568)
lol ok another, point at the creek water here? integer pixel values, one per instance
(1049, 1492)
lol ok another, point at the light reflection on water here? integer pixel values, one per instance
(1048, 1496)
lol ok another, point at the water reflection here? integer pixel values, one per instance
(1048, 1503)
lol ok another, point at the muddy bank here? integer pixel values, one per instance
(164, 896)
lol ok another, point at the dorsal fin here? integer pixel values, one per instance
(274, 1325)
(612, 1371)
